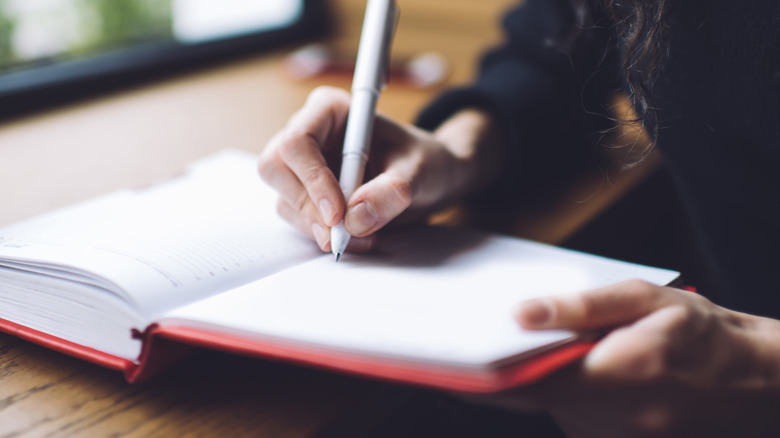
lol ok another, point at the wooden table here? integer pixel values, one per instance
(135, 137)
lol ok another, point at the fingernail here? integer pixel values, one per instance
(535, 313)
(361, 218)
(327, 211)
(321, 235)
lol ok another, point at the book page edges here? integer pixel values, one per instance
(66, 347)
(447, 378)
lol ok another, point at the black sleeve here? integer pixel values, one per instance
(547, 86)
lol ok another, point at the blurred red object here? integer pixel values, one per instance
(425, 70)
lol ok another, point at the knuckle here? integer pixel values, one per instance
(589, 305)
(293, 216)
(326, 92)
(298, 146)
(267, 166)
(639, 287)
(299, 201)
(321, 91)
(657, 420)
(651, 365)
(402, 188)
(700, 301)
(682, 318)
(283, 210)
(290, 144)
(316, 177)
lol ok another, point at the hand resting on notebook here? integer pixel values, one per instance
(673, 364)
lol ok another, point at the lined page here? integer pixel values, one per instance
(207, 231)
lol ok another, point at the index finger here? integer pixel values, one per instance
(322, 117)
(316, 127)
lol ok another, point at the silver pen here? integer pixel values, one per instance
(369, 79)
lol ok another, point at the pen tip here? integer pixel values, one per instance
(338, 256)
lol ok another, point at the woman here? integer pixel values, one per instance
(704, 77)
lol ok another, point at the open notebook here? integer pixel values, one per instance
(125, 280)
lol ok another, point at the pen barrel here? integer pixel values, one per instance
(357, 139)
(375, 40)
(377, 33)
(354, 166)
(360, 122)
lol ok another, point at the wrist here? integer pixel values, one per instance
(765, 343)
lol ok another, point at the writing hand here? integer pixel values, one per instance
(411, 171)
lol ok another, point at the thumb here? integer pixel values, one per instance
(609, 306)
(377, 202)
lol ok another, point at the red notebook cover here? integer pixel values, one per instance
(163, 346)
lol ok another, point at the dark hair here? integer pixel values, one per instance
(641, 25)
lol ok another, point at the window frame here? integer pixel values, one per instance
(33, 88)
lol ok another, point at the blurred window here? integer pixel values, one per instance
(47, 46)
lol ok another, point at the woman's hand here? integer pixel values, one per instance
(412, 172)
(673, 364)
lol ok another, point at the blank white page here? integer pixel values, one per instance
(433, 296)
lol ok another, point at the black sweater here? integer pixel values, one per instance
(718, 99)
